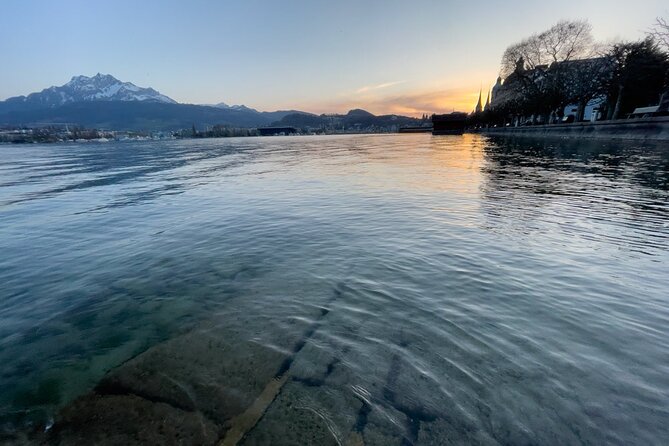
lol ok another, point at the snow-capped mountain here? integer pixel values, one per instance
(225, 106)
(101, 87)
(102, 101)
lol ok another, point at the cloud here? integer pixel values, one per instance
(410, 103)
(368, 88)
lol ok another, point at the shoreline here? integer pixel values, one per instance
(641, 129)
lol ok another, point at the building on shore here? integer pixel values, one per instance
(449, 124)
(525, 85)
(277, 131)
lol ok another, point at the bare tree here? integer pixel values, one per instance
(660, 32)
(527, 51)
(539, 72)
(564, 41)
(568, 40)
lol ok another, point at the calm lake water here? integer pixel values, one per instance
(441, 289)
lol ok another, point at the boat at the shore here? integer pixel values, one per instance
(449, 124)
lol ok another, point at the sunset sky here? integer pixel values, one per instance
(407, 57)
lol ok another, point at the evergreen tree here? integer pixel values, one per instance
(640, 71)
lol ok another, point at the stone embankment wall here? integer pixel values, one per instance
(652, 129)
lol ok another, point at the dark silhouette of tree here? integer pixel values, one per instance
(540, 69)
(584, 80)
(639, 76)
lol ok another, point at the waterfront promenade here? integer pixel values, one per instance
(648, 129)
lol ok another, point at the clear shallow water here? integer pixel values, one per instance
(475, 289)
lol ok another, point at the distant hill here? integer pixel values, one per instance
(104, 102)
(279, 114)
(271, 116)
(354, 119)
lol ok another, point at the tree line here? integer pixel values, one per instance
(217, 131)
(564, 65)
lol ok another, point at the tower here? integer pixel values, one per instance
(487, 102)
(496, 93)
(479, 107)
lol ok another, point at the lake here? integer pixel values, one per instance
(358, 289)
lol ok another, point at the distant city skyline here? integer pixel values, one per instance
(383, 56)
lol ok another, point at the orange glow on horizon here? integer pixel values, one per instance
(410, 103)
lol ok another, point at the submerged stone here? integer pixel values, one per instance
(128, 419)
(47, 392)
(198, 371)
(191, 389)
(304, 415)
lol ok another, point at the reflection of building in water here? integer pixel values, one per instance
(550, 192)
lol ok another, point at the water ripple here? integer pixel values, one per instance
(482, 290)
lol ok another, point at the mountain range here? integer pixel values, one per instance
(356, 119)
(104, 102)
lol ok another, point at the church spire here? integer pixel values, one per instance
(479, 107)
(487, 102)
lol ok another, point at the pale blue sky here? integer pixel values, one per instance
(386, 56)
